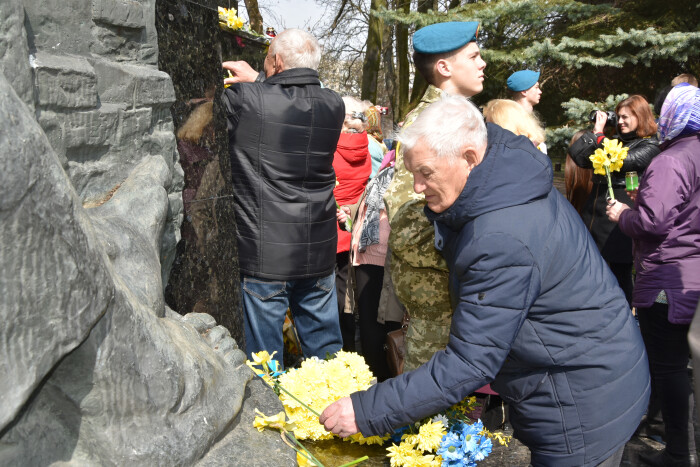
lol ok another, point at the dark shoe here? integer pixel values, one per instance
(664, 459)
(651, 429)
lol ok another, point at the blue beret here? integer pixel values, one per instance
(444, 37)
(522, 80)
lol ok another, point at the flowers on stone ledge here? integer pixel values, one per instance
(447, 439)
(229, 20)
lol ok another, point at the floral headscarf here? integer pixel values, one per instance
(680, 114)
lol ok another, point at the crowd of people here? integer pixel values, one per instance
(456, 233)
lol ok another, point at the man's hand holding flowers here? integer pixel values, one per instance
(339, 418)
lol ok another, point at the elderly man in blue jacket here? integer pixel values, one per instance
(537, 311)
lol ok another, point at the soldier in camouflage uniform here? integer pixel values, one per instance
(447, 56)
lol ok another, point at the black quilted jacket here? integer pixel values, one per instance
(282, 135)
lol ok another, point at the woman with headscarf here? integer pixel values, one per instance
(665, 226)
(636, 131)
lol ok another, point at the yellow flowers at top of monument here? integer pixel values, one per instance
(278, 422)
(229, 18)
(610, 156)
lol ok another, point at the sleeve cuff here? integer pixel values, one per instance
(368, 427)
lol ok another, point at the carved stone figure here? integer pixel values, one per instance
(96, 369)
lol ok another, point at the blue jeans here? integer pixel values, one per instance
(314, 309)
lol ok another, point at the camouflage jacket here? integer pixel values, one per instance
(419, 273)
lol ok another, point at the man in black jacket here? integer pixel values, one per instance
(283, 131)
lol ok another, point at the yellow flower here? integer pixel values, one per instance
(416, 459)
(262, 357)
(278, 422)
(611, 155)
(359, 439)
(237, 23)
(400, 454)
(303, 461)
(429, 436)
(600, 161)
(228, 18)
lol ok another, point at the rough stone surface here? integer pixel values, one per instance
(65, 81)
(14, 51)
(96, 369)
(45, 236)
(128, 14)
(139, 85)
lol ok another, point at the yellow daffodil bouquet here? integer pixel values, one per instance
(306, 391)
(608, 159)
(229, 20)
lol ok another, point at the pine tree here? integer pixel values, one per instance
(587, 53)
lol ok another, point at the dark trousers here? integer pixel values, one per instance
(368, 284)
(347, 320)
(623, 274)
(668, 351)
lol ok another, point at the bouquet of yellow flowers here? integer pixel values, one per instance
(608, 159)
(447, 439)
(228, 19)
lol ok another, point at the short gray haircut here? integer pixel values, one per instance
(298, 49)
(447, 127)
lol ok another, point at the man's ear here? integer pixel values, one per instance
(473, 156)
(443, 68)
(279, 64)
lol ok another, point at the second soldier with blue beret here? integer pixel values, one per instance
(525, 88)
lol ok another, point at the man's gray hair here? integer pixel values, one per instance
(298, 49)
(447, 127)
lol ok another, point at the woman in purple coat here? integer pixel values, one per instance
(665, 226)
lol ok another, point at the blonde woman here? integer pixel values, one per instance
(512, 116)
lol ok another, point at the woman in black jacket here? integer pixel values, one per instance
(637, 131)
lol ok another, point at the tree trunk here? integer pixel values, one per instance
(402, 65)
(419, 83)
(389, 73)
(256, 22)
(373, 50)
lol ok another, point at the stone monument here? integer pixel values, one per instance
(96, 369)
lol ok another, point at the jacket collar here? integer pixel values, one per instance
(667, 144)
(295, 76)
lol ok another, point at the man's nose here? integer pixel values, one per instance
(418, 186)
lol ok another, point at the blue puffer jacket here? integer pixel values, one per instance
(537, 311)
